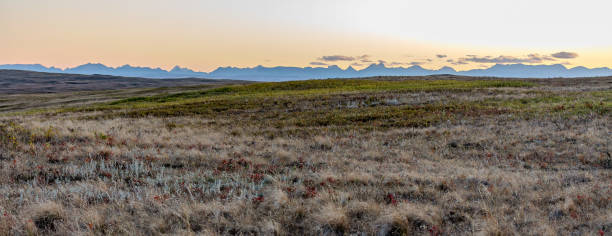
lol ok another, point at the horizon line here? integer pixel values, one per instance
(301, 67)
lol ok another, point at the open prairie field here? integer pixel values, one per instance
(438, 155)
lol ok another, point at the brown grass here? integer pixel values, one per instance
(498, 173)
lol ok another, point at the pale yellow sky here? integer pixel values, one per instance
(203, 35)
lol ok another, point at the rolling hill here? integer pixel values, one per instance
(19, 82)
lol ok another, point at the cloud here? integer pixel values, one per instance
(363, 58)
(357, 64)
(395, 63)
(456, 63)
(336, 58)
(441, 56)
(414, 63)
(541, 57)
(317, 63)
(565, 55)
(531, 58)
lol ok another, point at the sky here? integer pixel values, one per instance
(205, 34)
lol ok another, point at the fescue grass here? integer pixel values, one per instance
(274, 96)
(328, 86)
(352, 103)
(325, 157)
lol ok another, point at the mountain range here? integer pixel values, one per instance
(280, 73)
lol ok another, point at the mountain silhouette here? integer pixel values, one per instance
(283, 73)
(31, 67)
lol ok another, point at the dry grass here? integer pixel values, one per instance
(227, 173)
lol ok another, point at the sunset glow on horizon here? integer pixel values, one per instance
(203, 35)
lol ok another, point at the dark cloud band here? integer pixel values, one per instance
(317, 63)
(362, 58)
(565, 55)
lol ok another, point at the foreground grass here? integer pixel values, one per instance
(334, 157)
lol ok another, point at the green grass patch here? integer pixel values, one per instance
(352, 103)
(568, 104)
(310, 104)
(327, 86)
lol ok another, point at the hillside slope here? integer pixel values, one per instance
(377, 156)
(19, 82)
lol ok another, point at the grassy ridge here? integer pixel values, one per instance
(302, 103)
(352, 103)
(327, 87)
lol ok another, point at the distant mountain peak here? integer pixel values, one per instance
(90, 68)
(178, 69)
(560, 66)
(281, 73)
(447, 70)
(93, 64)
(376, 65)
